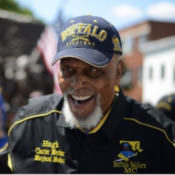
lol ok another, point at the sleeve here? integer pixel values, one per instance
(4, 154)
(5, 158)
(168, 157)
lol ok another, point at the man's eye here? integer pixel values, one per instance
(67, 71)
(93, 72)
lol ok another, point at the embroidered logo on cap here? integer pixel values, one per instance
(82, 31)
(116, 43)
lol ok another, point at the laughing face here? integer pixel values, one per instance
(85, 87)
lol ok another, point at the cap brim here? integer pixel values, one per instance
(91, 56)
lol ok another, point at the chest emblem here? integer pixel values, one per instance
(130, 149)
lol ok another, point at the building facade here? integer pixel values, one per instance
(158, 69)
(132, 38)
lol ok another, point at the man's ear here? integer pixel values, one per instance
(119, 72)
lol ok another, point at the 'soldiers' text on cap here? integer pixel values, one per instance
(89, 38)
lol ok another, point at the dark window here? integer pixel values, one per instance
(150, 73)
(140, 74)
(162, 72)
(128, 44)
(143, 39)
(174, 73)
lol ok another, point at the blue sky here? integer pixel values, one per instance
(121, 13)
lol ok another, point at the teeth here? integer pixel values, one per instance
(81, 97)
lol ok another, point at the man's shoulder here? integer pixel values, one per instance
(146, 113)
(40, 105)
(150, 117)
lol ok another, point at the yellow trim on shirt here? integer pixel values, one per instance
(9, 162)
(100, 123)
(4, 147)
(103, 119)
(31, 117)
(154, 127)
(116, 88)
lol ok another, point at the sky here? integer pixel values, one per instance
(121, 13)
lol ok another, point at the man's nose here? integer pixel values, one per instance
(78, 81)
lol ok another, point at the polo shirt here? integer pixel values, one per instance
(133, 139)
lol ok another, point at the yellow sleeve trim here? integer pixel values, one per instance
(151, 127)
(31, 117)
(9, 162)
(4, 148)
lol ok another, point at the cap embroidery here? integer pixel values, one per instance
(170, 99)
(85, 30)
(95, 37)
(116, 43)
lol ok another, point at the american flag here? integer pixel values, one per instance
(47, 46)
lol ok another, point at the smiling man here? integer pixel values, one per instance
(93, 128)
(88, 90)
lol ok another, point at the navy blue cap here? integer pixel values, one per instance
(91, 39)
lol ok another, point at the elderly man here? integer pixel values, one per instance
(92, 128)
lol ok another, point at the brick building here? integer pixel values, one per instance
(132, 38)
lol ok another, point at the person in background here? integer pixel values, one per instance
(93, 128)
(166, 104)
(3, 119)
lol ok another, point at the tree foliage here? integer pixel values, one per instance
(11, 5)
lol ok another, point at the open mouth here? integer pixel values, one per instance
(80, 100)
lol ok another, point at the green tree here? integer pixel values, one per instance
(11, 5)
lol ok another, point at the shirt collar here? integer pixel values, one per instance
(112, 120)
(115, 117)
(61, 121)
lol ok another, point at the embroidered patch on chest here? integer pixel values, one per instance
(49, 152)
(130, 149)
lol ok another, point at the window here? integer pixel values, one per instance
(174, 73)
(139, 75)
(162, 72)
(128, 44)
(143, 38)
(150, 73)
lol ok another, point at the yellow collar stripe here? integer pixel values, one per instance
(116, 88)
(100, 123)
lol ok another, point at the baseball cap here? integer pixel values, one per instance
(91, 39)
(167, 105)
